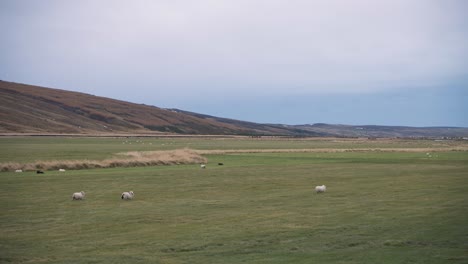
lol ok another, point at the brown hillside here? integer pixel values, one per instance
(27, 109)
(33, 109)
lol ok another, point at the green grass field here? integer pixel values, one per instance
(258, 208)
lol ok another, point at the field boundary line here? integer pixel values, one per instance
(331, 150)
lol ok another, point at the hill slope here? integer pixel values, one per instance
(33, 109)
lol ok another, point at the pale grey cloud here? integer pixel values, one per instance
(299, 45)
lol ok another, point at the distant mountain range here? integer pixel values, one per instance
(38, 110)
(371, 131)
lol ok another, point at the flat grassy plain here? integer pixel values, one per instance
(380, 207)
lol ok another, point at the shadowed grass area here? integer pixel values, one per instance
(256, 208)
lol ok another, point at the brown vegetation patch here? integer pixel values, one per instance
(127, 159)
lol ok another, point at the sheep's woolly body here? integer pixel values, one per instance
(320, 189)
(78, 195)
(127, 195)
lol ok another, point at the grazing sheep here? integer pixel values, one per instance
(61, 169)
(127, 195)
(320, 189)
(18, 170)
(203, 166)
(39, 172)
(78, 195)
(220, 164)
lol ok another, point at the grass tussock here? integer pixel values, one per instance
(125, 159)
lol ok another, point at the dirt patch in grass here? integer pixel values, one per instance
(126, 159)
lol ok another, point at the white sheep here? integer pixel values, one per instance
(320, 189)
(127, 195)
(18, 170)
(61, 169)
(203, 166)
(78, 195)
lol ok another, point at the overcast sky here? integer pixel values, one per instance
(383, 62)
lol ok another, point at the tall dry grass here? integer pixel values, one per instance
(126, 159)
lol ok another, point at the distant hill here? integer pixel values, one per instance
(38, 110)
(385, 131)
(34, 109)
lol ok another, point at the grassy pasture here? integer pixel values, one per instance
(258, 208)
(28, 149)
